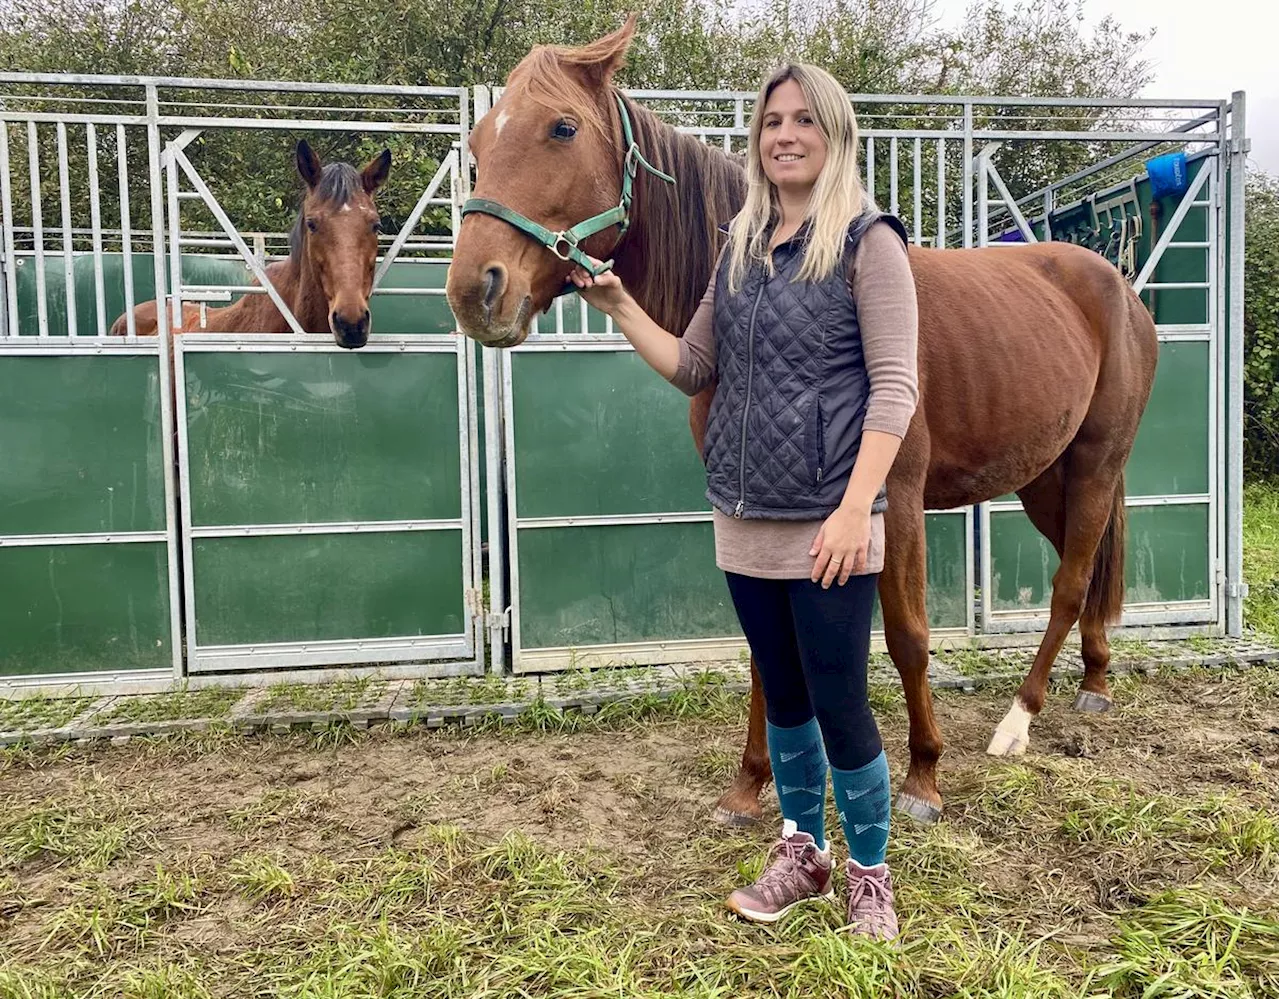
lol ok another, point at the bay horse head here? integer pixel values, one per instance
(335, 241)
(556, 163)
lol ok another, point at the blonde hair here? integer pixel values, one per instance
(838, 196)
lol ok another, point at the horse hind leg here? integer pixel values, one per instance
(740, 805)
(1078, 504)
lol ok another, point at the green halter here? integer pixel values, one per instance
(564, 244)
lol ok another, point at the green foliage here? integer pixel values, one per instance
(1261, 278)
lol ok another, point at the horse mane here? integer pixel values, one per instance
(669, 253)
(545, 74)
(339, 183)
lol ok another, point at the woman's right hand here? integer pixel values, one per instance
(604, 292)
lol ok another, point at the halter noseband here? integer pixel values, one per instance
(564, 244)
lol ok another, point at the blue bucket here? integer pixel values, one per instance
(1168, 175)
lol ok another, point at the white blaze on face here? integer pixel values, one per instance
(347, 207)
(500, 121)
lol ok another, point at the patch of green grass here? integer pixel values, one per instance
(102, 920)
(344, 695)
(459, 691)
(277, 807)
(975, 662)
(1261, 550)
(260, 878)
(79, 832)
(1185, 943)
(209, 702)
(29, 714)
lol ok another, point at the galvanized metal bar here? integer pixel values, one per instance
(1179, 285)
(967, 164)
(871, 167)
(1235, 370)
(614, 520)
(997, 135)
(167, 351)
(316, 124)
(307, 343)
(126, 233)
(68, 242)
(53, 117)
(1171, 227)
(449, 163)
(175, 236)
(272, 655)
(1167, 499)
(893, 175)
(95, 222)
(206, 83)
(336, 527)
(107, 538)
(983, 177)
(81, 346)
(1018, 218)
(512, 513)
(940, 237)
(37, 229)
(917, 192)
(6, 224)
(229, 227)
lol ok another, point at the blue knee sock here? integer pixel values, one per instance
(862, 798)
(800, 775)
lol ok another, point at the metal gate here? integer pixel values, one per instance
(1179, 475)
(329, 508)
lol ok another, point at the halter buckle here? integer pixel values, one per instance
(569, 240)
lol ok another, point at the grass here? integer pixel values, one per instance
(344, 695)
(30, 714)
(1261, 548)
(209, 702)
(81, 832)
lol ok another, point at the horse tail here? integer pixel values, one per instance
(1105, 598)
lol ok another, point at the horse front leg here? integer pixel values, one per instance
(740, 805)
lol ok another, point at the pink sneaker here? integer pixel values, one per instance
(796, 871)
(871, 901)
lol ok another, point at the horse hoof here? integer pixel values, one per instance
(734, 820)
(917, 808)
(1087, 700)
(1006, 744)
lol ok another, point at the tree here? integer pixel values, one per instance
(1261, 280)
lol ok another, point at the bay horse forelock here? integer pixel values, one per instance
(1035, 365)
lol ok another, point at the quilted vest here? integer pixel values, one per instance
(792, 387)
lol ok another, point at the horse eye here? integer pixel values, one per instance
(311, 225)
(564, 130)
(376, 227)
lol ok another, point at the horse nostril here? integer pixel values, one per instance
(364, 320)
(495, 282)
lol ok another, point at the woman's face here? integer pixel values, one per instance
(792, 150)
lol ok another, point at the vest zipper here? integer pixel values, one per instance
(746, 406)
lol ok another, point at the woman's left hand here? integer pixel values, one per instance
(841, 546)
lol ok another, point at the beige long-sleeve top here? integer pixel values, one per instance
(884, 292)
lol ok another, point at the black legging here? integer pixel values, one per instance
(811, 647)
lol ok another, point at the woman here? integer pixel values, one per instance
(808, 329)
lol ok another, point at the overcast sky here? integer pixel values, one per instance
(1201, 50)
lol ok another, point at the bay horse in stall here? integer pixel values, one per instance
(328, 276)
(1035, 362)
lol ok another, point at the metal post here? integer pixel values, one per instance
(68, 242)
(1235, 374)
(10, 263)
(95, 221)
(126, 232)
(967, 158)
(37, 227)
(166, 353)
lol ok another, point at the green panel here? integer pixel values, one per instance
(322, 437)
(1166, 558)
(82, 447)
(1171, 453)
(594, 585)
(328, 586)
(411, 314)
(948, 585)
(79, 608)
(601, 433)
(597, 585)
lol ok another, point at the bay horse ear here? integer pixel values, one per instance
(601, 59)
(308, 163)
(374, 175)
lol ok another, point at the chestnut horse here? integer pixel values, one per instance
(328, 276)
(1035, 362)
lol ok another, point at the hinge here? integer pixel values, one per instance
(475, 602)
(1237, 591)
(500, 619)
(1242, 145)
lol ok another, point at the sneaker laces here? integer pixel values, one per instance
(868, 896)
(780, 864)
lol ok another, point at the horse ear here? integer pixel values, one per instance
(374, 175)
(308, 163)
(605, 56)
